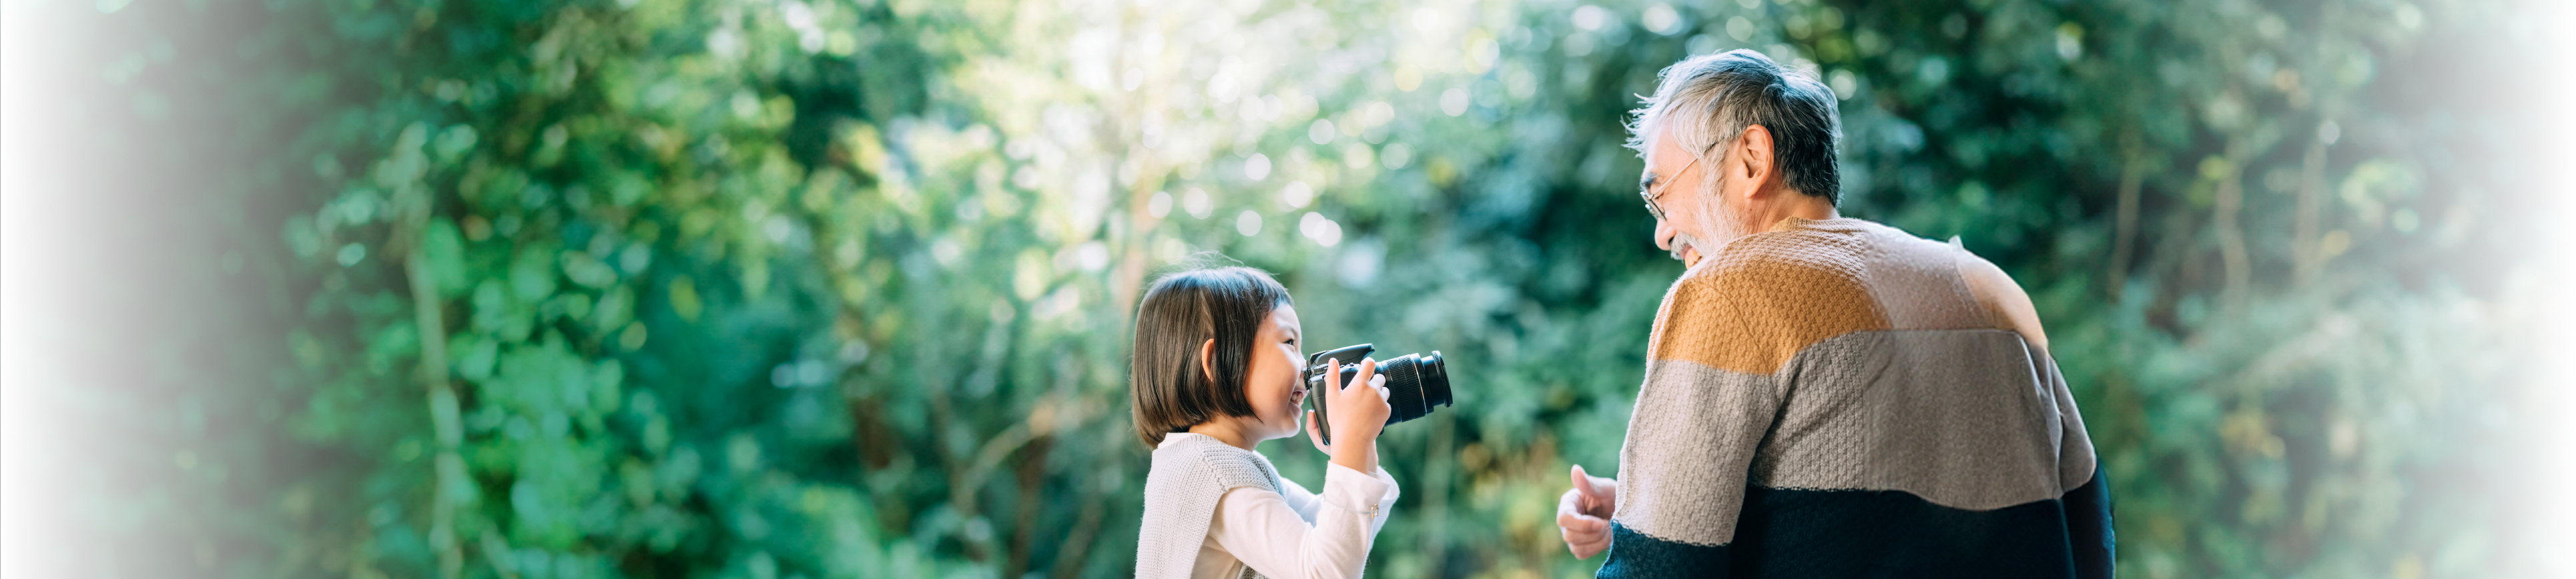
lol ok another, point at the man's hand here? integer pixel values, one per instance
(1583, 514)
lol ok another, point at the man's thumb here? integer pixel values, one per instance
(1583, 482)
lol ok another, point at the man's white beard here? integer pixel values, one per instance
(1718, 216)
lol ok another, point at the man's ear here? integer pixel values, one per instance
(1207, 360)
(1752, 163)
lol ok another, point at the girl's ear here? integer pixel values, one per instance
(1207, 360)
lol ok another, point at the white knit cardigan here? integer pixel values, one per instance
(1190, 474)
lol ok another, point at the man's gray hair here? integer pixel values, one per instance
(1707, 100)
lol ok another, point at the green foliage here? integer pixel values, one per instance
(752, 289)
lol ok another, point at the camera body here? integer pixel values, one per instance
(1415, 382)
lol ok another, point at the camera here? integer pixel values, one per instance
(1414, 382)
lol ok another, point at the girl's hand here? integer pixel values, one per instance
(1359, 414)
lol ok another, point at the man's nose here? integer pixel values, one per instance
(1664, 235)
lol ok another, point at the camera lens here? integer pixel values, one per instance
(1414, 384)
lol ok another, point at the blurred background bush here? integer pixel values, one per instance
(650, 288)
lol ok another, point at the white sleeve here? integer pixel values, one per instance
(1302, 534)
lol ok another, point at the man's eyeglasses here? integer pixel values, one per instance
(1654, 189)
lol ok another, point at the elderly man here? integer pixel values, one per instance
(1825, 396)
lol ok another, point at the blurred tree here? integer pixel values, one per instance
(829, 289)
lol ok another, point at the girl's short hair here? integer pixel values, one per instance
(1181, 311)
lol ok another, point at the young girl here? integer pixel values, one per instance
(1216, 368)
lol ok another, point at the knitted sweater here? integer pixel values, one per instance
(1190, 474)
(1830, 399)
